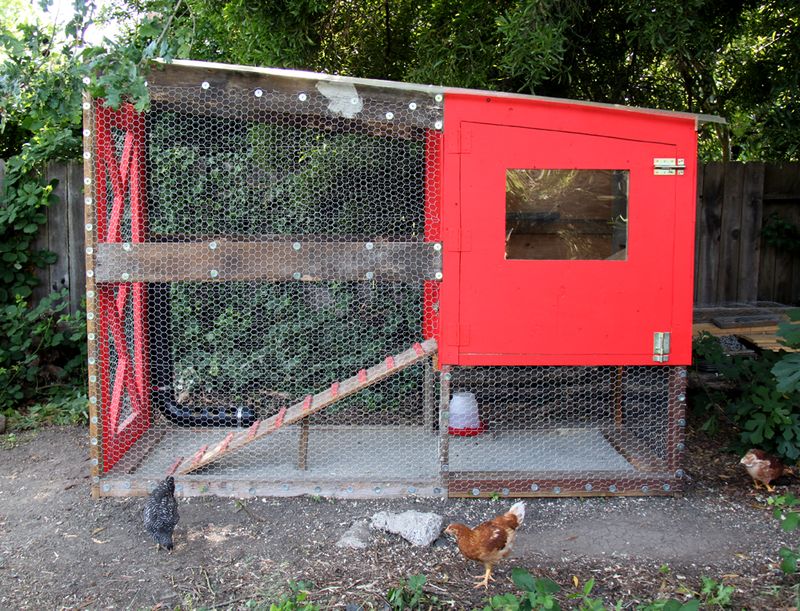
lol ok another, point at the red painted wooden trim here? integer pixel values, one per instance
(126, 177)
(174, 466)
(418, 348)
(199, 455)
(251, 432)
(390, 362)
(362, 376)
(433, 226)
(335, 389)
(307, 402)
(224, 445)
(279, 419)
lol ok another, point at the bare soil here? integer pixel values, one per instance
(59, 548)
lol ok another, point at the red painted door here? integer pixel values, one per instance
(567, 247)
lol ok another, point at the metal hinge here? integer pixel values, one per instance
(661, 347)
(668, 166)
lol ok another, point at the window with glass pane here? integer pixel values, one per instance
(566, 214)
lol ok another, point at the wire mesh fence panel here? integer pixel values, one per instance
(252, 248)
(548, 431)
(264, 260)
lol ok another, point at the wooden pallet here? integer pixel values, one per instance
(311, 404)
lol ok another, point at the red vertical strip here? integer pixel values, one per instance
(433, 185)
(433, 227)
(105, 304)
(118, 181)
(102, 136)
(138, 234)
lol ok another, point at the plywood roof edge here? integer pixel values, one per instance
(698, 118)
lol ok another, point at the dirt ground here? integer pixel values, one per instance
(61, 549)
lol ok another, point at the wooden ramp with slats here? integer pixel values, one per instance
(311, 404)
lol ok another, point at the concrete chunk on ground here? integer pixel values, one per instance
(416, 527)
(355, 537)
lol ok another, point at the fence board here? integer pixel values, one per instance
(709, 225)
(766, 267)
(697, 234)
(58, 229)
(750, 239)
(730, 234)
(75, 213)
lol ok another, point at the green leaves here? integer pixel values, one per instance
(790, 520)
(787, 373)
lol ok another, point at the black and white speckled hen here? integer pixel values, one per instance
(161, 513)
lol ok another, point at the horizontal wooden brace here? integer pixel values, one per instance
(224, 260)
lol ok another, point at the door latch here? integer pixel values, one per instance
(668, 166)
(661, 347)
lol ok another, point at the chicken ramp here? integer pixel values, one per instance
(311, 404)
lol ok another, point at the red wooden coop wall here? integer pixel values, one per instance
(521, 335)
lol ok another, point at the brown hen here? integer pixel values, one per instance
(489, 542)
(764, 468)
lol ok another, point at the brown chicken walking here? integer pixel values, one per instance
(764, 468)
(489, 542)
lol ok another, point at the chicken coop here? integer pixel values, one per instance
(309, 284)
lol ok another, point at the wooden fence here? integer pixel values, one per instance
(732, 261)
(63, 234)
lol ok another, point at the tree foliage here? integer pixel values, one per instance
(738, 59)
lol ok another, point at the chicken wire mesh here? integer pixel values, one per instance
(262, 290)
(549, 431)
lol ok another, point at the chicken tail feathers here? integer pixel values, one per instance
(518, 509)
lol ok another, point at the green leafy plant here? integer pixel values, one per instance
(759, 398)
(790, 519)
(781, 234)
(539, 593)
(787, 369)
(585, 600)
(42, 355)
(295, 600)
(409, 594)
